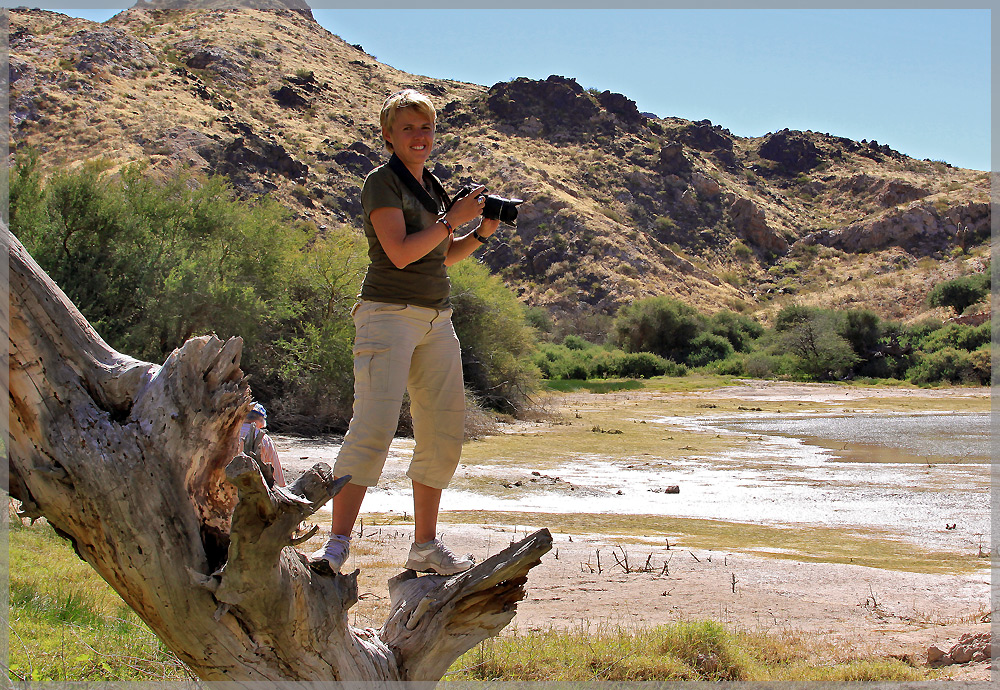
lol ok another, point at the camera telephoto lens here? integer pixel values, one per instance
(496, 207)
(504, 210)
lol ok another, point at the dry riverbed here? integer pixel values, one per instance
(629, 552)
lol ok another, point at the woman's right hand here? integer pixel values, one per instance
(468, 207)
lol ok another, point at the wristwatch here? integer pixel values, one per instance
(482, 240)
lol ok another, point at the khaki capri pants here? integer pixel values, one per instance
(399, 348)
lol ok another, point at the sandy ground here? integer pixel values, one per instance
(861, 609)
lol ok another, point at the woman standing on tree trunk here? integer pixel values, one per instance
(405, 339)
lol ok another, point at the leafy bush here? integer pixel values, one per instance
(915, 334)
(559, 362)
(539, 319)
(738, 329)
(953, 366)
(635, 365)
(661, 325)
(733, 365)
(497, 342)
(708, 347)
(762, 365)
(958, 336)
(961, 292)
(862, 329)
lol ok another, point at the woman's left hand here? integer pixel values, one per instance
(488, 226)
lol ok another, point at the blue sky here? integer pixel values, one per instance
(917, 80)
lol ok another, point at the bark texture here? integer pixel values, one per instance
(137, 465)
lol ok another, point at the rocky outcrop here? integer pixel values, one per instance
(358, 158)
(250, 158)
(297, 91)
(556, 97)
(560, 108)
(186, 146)
(111, 50)
(705, 186)
(672, 160)
(920, 229)
(971, 647)
(886, 192)
(792, 150)
(894, 193)
(705, 136)
(288, 97)
(750, 223)
(624, 109)
(216, 61)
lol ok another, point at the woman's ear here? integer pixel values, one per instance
(386, 138)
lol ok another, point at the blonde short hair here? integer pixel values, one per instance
(407, 98)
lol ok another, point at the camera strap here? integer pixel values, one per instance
(419, 191)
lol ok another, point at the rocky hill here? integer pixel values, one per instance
(619, 204)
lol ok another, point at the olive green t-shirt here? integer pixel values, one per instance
(424, 282)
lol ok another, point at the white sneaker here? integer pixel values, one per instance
(435, 557)
(333, 555)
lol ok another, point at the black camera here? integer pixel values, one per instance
(496, 207)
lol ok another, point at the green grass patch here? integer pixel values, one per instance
(67, 624)
(683, 651)
(594, 386)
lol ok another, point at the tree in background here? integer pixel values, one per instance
(812, 337)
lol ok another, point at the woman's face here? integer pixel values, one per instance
(411, 136)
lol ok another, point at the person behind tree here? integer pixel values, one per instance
(405, 340)
(256, 419)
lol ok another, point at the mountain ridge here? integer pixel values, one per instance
(620, 205)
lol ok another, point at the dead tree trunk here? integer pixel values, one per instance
(134, 463)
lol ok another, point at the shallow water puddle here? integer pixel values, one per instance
(913, 474)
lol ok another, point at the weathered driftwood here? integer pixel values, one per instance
(134, 463)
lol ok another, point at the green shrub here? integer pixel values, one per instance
(559, 362)
(497, 343)
(951, 365)
(958, 336)
(708, 347)
(741, 251)
(661, 325)
(918, 332)
(539, 319)
(634, 365)
(961, 292)
(575, 342)
(738, 329)
(734, 365)
(761, 365)
(665, 224)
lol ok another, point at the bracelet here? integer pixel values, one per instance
(482, 240)
(443, 219)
